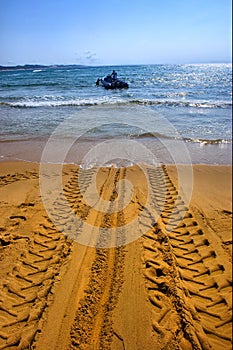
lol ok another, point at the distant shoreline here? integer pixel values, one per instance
(38, 66)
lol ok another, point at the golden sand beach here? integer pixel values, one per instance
(168, 289)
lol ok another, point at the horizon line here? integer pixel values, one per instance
(106, 65)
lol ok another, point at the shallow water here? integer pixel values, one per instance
(164, 103)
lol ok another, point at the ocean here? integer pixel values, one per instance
(166, 105)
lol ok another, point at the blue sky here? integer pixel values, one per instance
(111, 32)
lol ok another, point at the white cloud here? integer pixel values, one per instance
(87, 57)
(90, 56)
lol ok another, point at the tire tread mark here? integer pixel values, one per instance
(11, 178)
(93, 323)
(27, 289)
(200, 274)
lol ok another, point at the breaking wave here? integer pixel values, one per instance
(33, 103)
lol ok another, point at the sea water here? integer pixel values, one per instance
(166, 104)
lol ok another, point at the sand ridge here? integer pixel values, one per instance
(169, 289)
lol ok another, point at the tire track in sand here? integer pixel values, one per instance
(11, 178)
(27, 289)
(25, 293)
(93, 324)
(188, 287)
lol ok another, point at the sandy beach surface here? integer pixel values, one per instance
(168, 287)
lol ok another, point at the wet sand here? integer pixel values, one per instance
(31, 150)
(171, 288)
